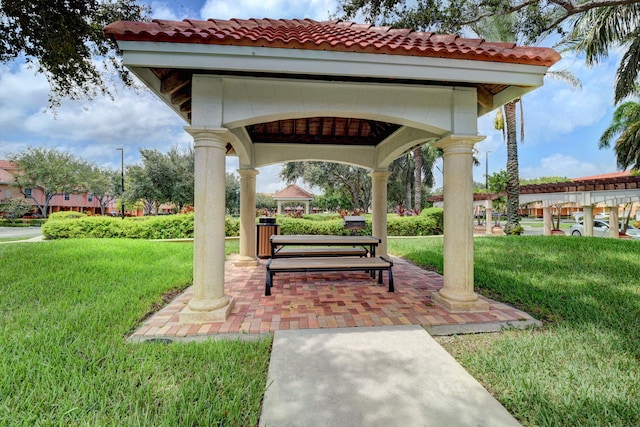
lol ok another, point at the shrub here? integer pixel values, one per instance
(67, 225)
(231, 226)
(438, 215)
(306, 226)
(321, 217)
(23, 222)
(64, 215)
(396, 226)
(412, 226)
(153, 227)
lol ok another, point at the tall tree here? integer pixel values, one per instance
(64, 40)
(350, 181)
(593, 26)
(140, 187)
(49, 170)
(410, 175)
(232, 193)
(625, 130)
(183, 162)
(598, 31)
(104, 184)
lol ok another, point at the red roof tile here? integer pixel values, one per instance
(328, 35)
(603, 176)
(292, 192)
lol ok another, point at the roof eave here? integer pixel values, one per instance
(318, 62)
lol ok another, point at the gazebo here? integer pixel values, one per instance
(293, 193)
(272, 91)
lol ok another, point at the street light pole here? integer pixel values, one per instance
(121, 180)
(486, 170)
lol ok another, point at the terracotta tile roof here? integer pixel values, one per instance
(329, 36)
(604, 176)
(292, 192)
(6, 175)
(6, 164)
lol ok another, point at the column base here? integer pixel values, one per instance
(190, 316)
(456, 306)
(241, 261)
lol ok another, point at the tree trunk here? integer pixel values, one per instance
(408, 173)
(417, 186)
(513, 185)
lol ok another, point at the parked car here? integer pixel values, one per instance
(601, 229)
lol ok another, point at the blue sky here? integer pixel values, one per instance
(562, 125)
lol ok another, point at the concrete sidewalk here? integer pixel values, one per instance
(372, 376)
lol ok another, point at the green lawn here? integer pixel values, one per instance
(65, 310)
(540, 224)
(67, 306)
(583, 367)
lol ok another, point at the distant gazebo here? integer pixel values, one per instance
(293, 193)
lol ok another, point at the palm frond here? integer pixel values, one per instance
(565, 76)
(627, 73)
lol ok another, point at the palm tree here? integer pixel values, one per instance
(625, 129)
(423, 158)
(505, 29)
(600, 30)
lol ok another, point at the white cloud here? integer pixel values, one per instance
(22, 92)
(556, 109)
(277, 9)
(163, 10)
(91, 130)
(563, 165)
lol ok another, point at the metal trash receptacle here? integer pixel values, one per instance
(265, 228)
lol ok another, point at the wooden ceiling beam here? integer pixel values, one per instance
(174, 81)
(485, 98)
(181, 96)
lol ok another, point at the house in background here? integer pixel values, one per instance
(79, 202)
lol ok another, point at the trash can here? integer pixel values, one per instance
(265, 228)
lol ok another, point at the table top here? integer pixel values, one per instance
(298, 239)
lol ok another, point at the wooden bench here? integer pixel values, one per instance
(320, 252)
(324, 264)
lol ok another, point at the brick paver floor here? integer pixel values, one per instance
(329, 300)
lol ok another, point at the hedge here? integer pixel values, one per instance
(68, 225)
(34, 222)
(152, 227)
(428, 223)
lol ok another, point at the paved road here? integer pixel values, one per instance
(19, 232)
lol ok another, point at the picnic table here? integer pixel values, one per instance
(330, 245)
(313, 253)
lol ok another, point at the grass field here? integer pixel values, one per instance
(583, 367)
(67, 307)
(65, 310)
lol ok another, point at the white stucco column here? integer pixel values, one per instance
(247, 257)
(279, 207)
(488, 218)
(547, 220)
(588, 220)
(458, 294)
(614, 233)
(306, 208)
(379, 205)
(209, 302)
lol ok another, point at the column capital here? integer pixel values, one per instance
(209, 137)
(247, 172)
(379, 174)
(458, 143)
